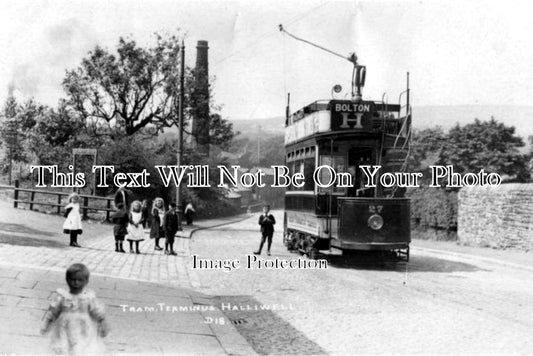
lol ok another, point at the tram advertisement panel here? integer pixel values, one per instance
(347, 115)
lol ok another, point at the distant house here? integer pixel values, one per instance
(239, 194)
(231, 158)
(244, 196)
(233, 197)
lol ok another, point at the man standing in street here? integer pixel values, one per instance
(170, 225)
(124, 196)
(266, 221)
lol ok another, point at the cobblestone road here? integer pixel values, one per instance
(434, 304)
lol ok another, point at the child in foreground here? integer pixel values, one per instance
(75, 320)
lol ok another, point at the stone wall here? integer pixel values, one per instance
(498, 217)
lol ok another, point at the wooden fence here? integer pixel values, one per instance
(86, 200)
(31, 195)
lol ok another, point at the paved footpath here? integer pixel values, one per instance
(149, 301)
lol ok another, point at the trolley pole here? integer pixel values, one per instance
(180, 132)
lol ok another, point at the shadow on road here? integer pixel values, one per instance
(14, 234)
(29, 241)
(416, 263)
(23, 229)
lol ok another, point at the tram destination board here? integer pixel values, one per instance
(349, 115)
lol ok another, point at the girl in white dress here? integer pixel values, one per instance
(72, 224)
(135, 227)
(75, 319)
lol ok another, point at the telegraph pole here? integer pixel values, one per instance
(180, 132)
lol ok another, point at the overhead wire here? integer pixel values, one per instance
(270, 33)
(266, 35)
(284, 64)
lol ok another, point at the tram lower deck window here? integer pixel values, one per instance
(338, 163)
(306, 167)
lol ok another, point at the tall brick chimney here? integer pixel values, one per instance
(200, 124)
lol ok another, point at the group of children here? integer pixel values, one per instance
(130, 225)
(75, 320)
(130, 222)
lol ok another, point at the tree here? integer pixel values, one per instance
(220, 131)
(12, 131)
(54, 133)
(426, 146)
(488, 145)
(121, 93)
(128, 90)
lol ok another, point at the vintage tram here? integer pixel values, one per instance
(346, 135)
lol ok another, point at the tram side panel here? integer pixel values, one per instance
(304, 218)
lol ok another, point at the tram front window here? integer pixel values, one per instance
(359, 156)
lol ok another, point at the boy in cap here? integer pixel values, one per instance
(266, 221)
(170, 225)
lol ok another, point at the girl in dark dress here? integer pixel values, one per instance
(120, 218)
(156, 230)
(146, 214)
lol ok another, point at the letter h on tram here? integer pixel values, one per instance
(345, 135)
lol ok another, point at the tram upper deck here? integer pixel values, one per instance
(326, 117)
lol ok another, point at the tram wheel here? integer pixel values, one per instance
(312, 253)
(290, 241)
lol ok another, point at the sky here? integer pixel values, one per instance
(457, 52)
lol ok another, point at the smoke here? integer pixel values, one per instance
(58, 48)
(25, 79)
(10, 89)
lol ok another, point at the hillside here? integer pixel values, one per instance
(521, 117)
(259, 127)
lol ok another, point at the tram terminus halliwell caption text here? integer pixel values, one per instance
(198, 176)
